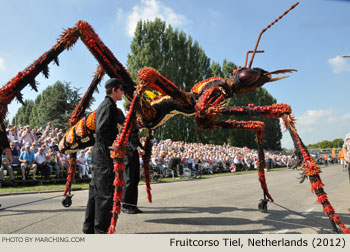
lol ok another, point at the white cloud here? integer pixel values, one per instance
(339, 64)
(2, 64)
(346, 116)
(149, 10)
(312, 117)
(120, 14)
(315, 126)
(332, 119)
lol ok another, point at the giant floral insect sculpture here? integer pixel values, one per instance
(205, 101)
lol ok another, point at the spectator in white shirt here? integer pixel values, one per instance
(40, 160)
(27, 136)
(81, 163)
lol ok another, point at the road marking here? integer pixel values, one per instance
(307, 212)
(283, 231)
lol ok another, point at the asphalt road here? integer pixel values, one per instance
(218, 205)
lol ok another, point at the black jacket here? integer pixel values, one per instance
(108, 116)
(4, 143)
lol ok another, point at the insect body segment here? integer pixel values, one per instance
(80, 136)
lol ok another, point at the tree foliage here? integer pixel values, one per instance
(178, 58)
(22, 116)
(184, 62)
(55, 104)
(325, 144)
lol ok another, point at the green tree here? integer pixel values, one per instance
(337, 143)
(22, 116)
(326, 144)
(175, 56)
(55, 104)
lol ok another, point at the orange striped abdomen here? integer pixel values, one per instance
(80, 136)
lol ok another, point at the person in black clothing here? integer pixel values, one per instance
(14, 151)
(4, 144)
(132, 172)
(175, 165)
(100, 201)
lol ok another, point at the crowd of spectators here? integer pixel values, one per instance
(35, 154)
(177, 157)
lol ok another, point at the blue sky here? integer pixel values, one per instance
(312, 38)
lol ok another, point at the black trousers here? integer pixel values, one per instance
(131, 177)
(44, 170)
(100, 202)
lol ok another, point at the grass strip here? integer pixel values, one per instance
(55, 187)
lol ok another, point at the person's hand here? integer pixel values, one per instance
(10, 159)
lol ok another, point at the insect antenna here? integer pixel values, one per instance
(246, 57)
(267, 27)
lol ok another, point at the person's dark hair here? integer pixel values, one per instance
(112, 83)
